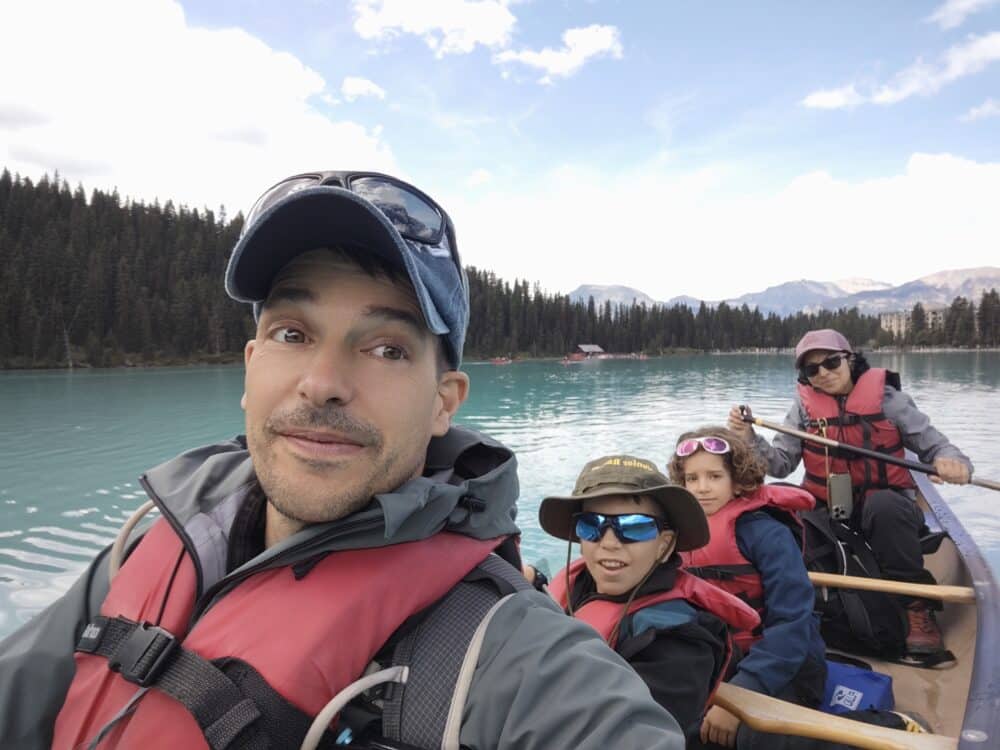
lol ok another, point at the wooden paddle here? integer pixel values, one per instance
(955, 594)
(766, 714)
(748, 417)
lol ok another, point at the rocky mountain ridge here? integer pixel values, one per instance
(868, 295)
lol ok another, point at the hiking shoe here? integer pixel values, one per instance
(924, 636)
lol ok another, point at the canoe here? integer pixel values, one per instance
(960, 701)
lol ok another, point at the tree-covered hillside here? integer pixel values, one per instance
(102, 280)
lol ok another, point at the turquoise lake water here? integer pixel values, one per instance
(73, 444)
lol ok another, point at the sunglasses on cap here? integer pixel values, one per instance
(630, 527)
(412, 212)
(829, 364)
(711, 444)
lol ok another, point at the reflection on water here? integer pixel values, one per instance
(558, 417)
(73, 444)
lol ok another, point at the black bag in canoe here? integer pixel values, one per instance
(865, 622)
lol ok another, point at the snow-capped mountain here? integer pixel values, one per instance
(869, 296)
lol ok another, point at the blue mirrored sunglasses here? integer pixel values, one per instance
(630, 527)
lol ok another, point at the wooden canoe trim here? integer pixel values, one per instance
(954, 594)
(763, 713)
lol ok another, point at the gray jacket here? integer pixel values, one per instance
(919, 436)
(543, 680)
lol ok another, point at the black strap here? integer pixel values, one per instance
(150, 656)
(845, 419)
(721, 572)
(415, 713)
(815, 479)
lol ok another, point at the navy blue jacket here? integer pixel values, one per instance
(791, 628)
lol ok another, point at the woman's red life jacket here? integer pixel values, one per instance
(857, 420)
(604, 615)
(308, 637)
(721, 563)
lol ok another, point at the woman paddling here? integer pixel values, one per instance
(842, 398)
(669, 625)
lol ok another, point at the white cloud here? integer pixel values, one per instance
(961, 60)
(479, 177)
(669, 232)
(446, 26)
(920, 79)
(129, 95)
(846, 97)
(353, 88)
(952, 13)
(989, 108)
(579, 45)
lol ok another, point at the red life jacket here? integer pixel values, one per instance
(721, 563)
(603, 615)
(857, 421)
(308, 637)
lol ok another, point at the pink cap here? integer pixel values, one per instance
(824, 338)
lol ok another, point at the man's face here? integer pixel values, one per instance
(342, 390)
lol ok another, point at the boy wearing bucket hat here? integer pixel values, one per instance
(266, 606)
(628, 585)
(841, 397)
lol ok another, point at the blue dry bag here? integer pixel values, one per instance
(850, 688)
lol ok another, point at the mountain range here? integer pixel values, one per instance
(869, 296)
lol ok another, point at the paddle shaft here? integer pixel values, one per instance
(954, 594)
(767, 714)
(913, 465)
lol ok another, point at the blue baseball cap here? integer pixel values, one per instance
(365, 210)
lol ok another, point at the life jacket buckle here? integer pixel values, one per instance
(141, 657)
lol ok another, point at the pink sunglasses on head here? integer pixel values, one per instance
(712, 444)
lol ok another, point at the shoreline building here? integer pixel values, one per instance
(898, 322)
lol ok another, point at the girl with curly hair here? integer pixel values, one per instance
(754, 552)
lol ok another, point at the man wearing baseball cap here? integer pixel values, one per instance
(840, 396)
(631, 522)
(345, 573)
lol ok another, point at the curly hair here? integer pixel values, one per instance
(746, 466)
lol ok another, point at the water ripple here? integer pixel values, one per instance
(69, 483)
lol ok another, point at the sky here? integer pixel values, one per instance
(708, 149)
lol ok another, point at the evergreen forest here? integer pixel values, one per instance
(102, 281)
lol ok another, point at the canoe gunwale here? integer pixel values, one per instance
(981, 711)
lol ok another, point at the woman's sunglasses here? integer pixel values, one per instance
(712, 444)
(829, 364)
(630, 527)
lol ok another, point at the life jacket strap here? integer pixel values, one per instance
(846, 420)
(721, 572)
(150, 656)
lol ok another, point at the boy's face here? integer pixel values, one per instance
(342, 390)
(707, 477)
(617, 568)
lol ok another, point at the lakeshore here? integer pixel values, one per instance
(236, 358)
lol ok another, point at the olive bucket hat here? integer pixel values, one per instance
(627, 475)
